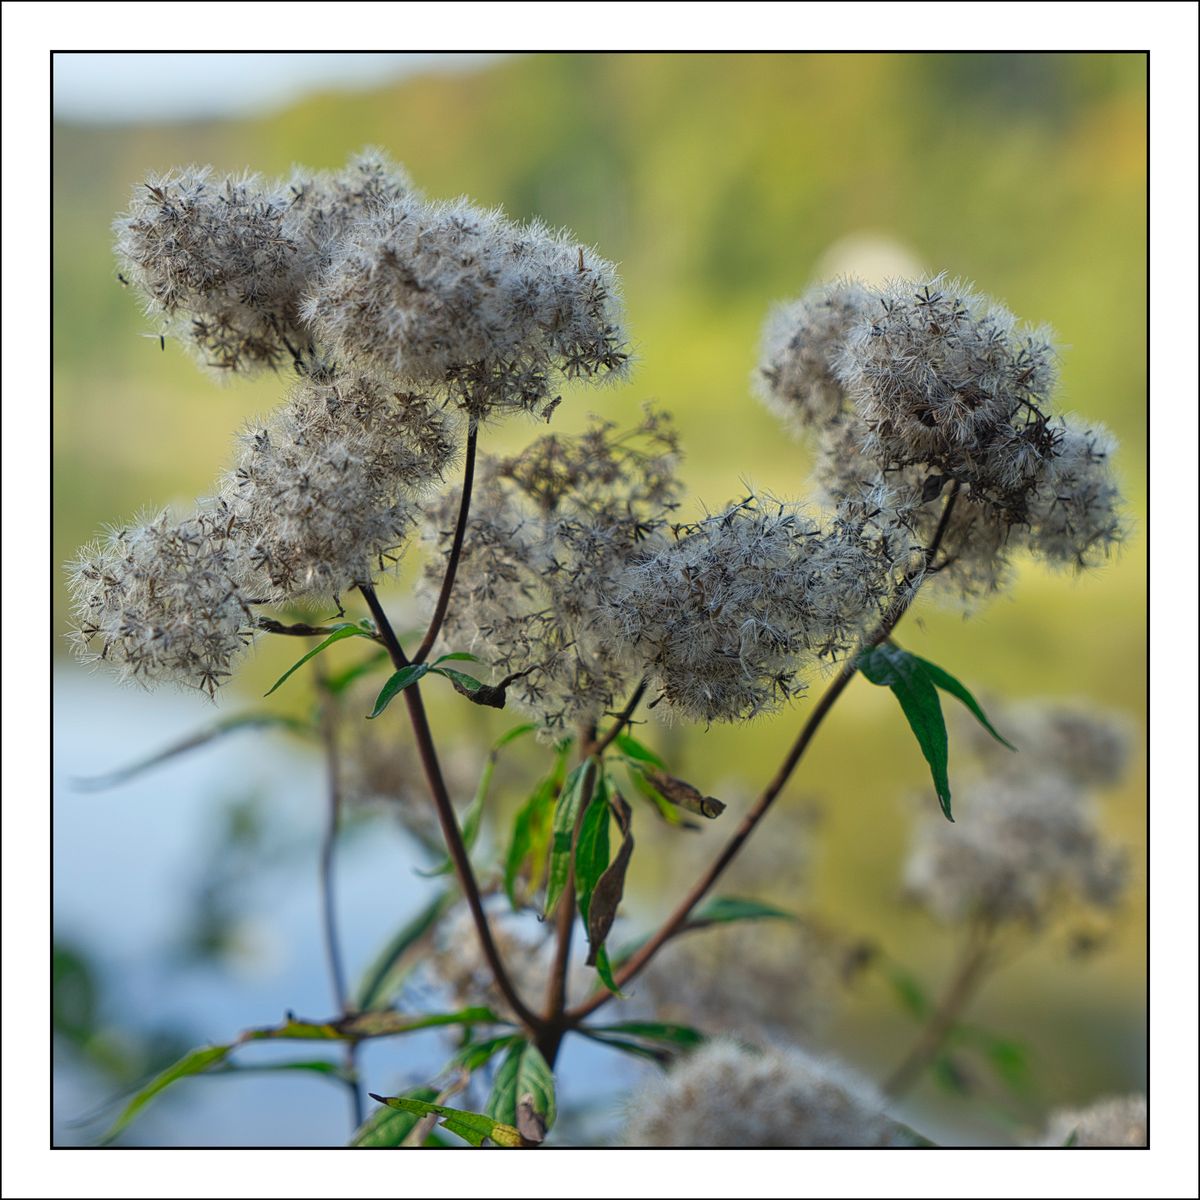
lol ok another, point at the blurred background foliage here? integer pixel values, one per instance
(720, 183)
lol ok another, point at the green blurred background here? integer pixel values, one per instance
(720, 184)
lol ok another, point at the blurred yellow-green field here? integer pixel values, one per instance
(720, 184)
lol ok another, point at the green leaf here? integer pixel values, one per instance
(948, 683)
(474, 1055)
(637, 1049)
(889, 666)
(632, 748)
(565, 814)
(383, 978)
(523, 1075)
(592, 849)
(721, 909)
(603, 884)
(386, 1128)
(194, 1062)
(910, 993)
(682, 1036)
(341, 631)
(396, 684)
(458, 656)
(471, 1127)
(467, 682)
(605, 970)
(217, 730)
(359, 1026)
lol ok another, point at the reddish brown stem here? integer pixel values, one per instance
(456, 545)
(446, 818)
(700, 889)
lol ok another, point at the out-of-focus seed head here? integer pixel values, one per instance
(1116, 1121)
(728, 1095)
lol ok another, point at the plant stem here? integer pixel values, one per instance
(456, 545)
(958, 994)
(556, 990)
(446, 818)
(891, 618)
(333, 949)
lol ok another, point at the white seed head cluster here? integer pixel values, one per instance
(161, 600)
(324, 489)
(726, 615)
(916, 388)
(224, 263)
(728, 1095)
(1022, 849)
(451, 296)
(802, 340)
(551, 533)
(1115, 1122)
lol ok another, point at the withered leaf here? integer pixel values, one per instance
(685, 796)
(531, 1124)
(610, 887)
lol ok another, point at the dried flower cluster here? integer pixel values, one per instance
(453, 297)
(552, 533)
(1027, 843)
(1118, 1121)
(916, 388)
(324, 491)
(161, 600)
(728, 1095)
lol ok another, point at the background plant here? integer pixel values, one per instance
(1080, 597)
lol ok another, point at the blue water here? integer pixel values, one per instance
(128, 864)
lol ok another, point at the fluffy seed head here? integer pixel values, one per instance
(802, 341)
(324, 487)
(450, 296)
(163, 602)
(1117, 1121)
(728, 1095)
(1021, 850)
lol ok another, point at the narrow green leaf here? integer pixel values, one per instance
(683, 1036)
(467, 682)
(909, 992)
(194, 1062)
(523, 1074)
(565, 814)
(341, 631)
(889, 666)
(592, 850)
(655, 1054)
(382, 980)
(472, 1127)
(474, 1055)
(511, 735)
(458, 656)
(632, 748)
(359, 1026)
(396, 684)
(218, 729)
(604, 969)
(386, 1128)
(721, 909)
(948, 683)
